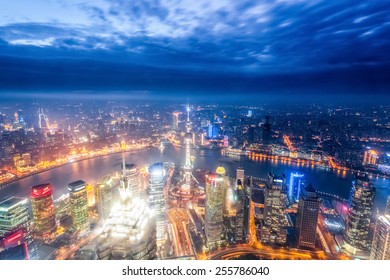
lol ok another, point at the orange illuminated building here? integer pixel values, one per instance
(370, 157)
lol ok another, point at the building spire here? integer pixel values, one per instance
(123, 165)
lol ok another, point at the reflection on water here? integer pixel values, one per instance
(337, 182)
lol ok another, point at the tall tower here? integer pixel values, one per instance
(214, 208)
(79, 206)
(129, 232)
(273, 230)
(188, 165)
(387, 210)
(381, 243)
(44, 214)
(356, 235)
(240, 234)
(43, 121)
(157, 181)
(307, 218)
(175, 124)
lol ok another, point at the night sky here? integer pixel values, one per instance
(196, 47)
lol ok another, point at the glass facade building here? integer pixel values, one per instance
(44, 214)
(361, 202)
(381, 243)
(307, 218)
(79, 206)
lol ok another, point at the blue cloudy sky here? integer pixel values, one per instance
(282, 46)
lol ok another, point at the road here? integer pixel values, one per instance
(179, 219)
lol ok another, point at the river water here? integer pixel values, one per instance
(92, 169)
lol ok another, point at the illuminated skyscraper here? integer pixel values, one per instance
(243, 195)
(108, 193)
(15, 217)
(188, 165)
(129, 232)
(360, 211)
(157, 182)
(215, 189)
(43, 120)
(242, 210)
(297, 183)
(79, 206)
(131, 178)
(381, 243)
(175, 124)
(273, 230)
(90, 195)
(44, 214)
(307, 218)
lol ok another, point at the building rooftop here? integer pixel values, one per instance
(11, 202)
(76, 186)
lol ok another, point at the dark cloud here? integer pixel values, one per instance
(332, 46)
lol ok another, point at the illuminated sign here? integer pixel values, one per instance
(38, 192)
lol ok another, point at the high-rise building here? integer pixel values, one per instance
(157, 182)
(273, 230)
(15, 217)
(307, 218)
(243, 194)
(129, 232)
(79, 206)
(90, 195)
(296, 184)
(130, 180)
(381, 243)
(387, 210)
(356, 235)
(43, 120)
(215, 189)
(267, 130)
(187, 165)
(251, 134)
(108, 193)
(175, 124)
(44, 214)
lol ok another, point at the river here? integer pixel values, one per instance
(91, 170)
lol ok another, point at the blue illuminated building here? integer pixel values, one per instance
(297, 183)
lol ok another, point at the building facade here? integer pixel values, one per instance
(381, 243)
(44, 214)
(79, 206)
(215, 189)
(157, 182)
(307, 218)
(273, 229)
(361, 202)
(15, 217)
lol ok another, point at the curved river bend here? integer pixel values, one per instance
(91, 170)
